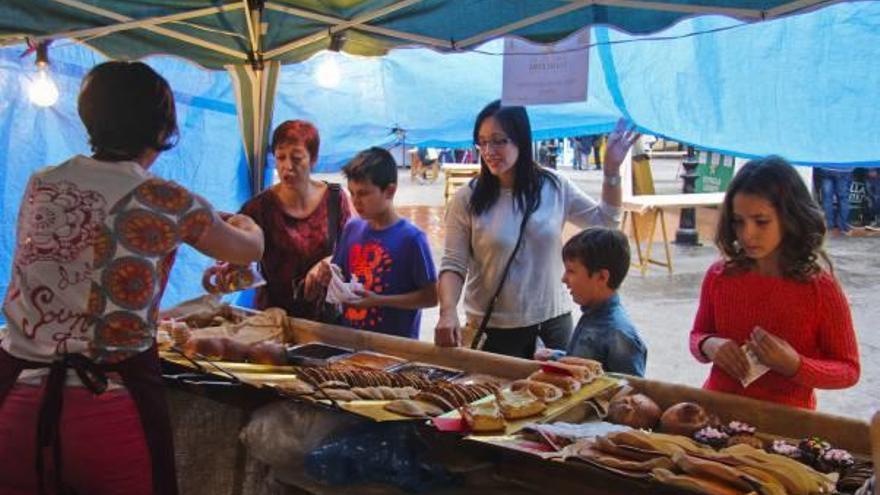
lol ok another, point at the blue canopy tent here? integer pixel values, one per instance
(719, 82)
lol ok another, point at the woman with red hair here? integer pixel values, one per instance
(301, 220)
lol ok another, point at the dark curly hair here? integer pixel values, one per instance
(803, 224)
(127, 108)
(529, 177)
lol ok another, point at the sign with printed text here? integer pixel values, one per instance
(714, 172)
(537, 74)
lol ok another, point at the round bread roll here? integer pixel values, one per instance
(205, 348)
(267, 353)
(684, 418)
(235, 351)
(636, 410)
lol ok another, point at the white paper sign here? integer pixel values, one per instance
(543, 74)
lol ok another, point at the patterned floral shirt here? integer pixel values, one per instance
(292, 246)
(94, 245)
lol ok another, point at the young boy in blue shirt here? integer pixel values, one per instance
(388, 254)
(596, 261)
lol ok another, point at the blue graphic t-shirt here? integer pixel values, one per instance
(394, 260)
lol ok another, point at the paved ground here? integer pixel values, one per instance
(662, 305)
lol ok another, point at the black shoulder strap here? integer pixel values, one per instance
(479, 338)
(333, 215)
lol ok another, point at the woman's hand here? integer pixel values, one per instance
(448, 330)
(775, 353)
(619, 143)
(243, 222)
(317, 279)
(728, 355)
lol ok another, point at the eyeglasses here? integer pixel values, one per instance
(493, 143)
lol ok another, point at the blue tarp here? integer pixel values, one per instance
(802, 87)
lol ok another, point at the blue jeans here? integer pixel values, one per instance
(836, 184)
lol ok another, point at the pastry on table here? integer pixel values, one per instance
(295, 387)
(812, 449)
(712, 437)
(834, 460)
(786, 449)
(483, 417)
(634, 410)
(684, 418)
(569, 385)
(518, 405)
(734, 428)
(413, 408)
(746, 439)
(545, 392)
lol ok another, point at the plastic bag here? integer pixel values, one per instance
(225, 278)
(341, 292)
(390, 453)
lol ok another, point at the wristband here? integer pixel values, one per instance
(612, 180)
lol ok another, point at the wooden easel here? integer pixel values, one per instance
(640, 221)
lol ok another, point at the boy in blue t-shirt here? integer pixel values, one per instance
(386, 253)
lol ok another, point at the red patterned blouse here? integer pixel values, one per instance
(292, 246)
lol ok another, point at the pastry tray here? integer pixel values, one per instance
(371, 360)
(316, 354)
(452, 421)
(431, 372)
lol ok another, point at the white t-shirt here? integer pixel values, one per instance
(478, 248)
(95, 242)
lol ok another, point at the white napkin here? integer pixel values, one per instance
(756, 368)
(339, 291)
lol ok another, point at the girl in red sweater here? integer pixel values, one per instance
(771, 295)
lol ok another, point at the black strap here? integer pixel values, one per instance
(333, 215)
(479, 338)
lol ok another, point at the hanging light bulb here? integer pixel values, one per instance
(43, 91)
(329, 73)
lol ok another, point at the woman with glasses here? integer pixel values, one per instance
(483, 224)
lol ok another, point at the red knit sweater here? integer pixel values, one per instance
(813, 317)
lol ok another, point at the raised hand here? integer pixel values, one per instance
(619, 143)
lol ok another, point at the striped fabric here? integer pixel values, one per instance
(254, 97)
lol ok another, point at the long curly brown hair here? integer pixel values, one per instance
(803, 224)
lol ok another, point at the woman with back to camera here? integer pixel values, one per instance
(483, 223)
(96, 238)
(302, 218)
(775, 293)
